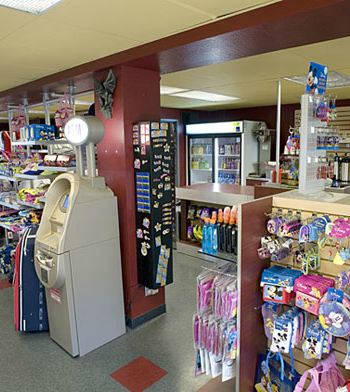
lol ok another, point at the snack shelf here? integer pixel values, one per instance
(10, 228)
(58, 168)
(10, 205)
(31, 205)
(34, 176)
(39, 142)
(8, 178)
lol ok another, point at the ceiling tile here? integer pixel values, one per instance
(224, 7)
(142, 21)
(335, 53)
(58, 47)
(11, 20)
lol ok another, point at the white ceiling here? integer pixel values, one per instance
(253, 79)
(77, 31)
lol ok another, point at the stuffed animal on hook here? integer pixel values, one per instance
(104, 91)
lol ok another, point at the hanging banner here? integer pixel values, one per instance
(316, 81)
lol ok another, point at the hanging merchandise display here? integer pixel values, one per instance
(317, 341)
(275, 374)
(18, 121)
(289, 161)
(155, 183)
(317, 137)
(306, 288)
(334, 313)
(325, 376)
(214, 323)
(64, 112)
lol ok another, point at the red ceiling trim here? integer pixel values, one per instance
(223, 40)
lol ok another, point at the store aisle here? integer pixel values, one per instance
(34, 362)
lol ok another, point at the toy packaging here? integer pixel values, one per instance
(334, 313)
(38, 132)
(317, 341)
(277, 283)
(309, 290)
(288, 331)
(214, 324)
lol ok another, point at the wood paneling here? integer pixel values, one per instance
(252, 222)
(263, 191)
(136, 98)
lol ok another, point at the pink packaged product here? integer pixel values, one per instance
(309, 290)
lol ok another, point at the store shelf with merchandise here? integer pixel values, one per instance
(200, 201)
(27, 143)
(35, 154)
(253, 216)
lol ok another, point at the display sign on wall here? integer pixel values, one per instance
(316, 82)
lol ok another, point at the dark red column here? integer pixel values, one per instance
(136, 98)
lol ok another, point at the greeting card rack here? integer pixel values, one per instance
(154, 155)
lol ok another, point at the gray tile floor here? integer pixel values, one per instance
(34, 363)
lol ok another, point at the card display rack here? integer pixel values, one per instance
(154, 145)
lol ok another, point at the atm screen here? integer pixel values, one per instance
(66, 201)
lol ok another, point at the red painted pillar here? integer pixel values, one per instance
(136, 98)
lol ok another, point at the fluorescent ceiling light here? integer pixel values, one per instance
(334, 80)
(204, 96)
(166, 90)
(32, 6)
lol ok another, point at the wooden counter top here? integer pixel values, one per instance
(324, 202)
(222, 194)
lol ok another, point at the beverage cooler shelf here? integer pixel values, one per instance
(229, 170)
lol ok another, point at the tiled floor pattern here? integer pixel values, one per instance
(139, 374)
(33, 362)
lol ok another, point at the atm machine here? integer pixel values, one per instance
(77, 251)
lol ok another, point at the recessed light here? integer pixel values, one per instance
(32, 6)
(166, 90)
(205, 96)
(334, 79)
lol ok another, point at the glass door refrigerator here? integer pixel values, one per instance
(228, 159)
(201, 160)
(225, 152)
